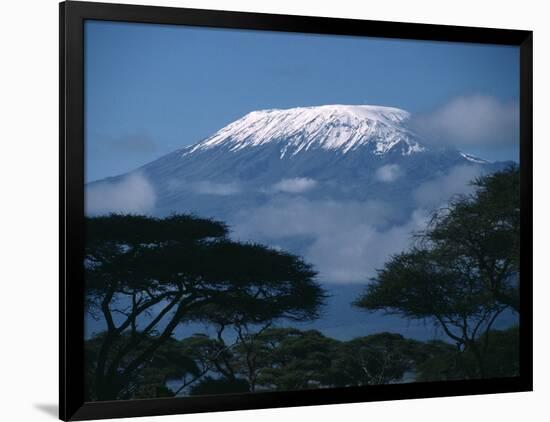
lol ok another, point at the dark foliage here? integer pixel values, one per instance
(447, 363)
(144, 276)
(168, 363)
(463, 270)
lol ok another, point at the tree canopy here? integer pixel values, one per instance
(146, 275)
(463, 270)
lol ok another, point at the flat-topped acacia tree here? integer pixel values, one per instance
(146, 275)
(464, 270)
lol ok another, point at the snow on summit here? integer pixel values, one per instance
(330, 127)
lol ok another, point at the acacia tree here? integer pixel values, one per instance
(441, 361)
(481, 232)
(375, 359)
(291, 359)
(463, 270)
(253, 344)
(144, 276)
(212, 357)
(271, 359)
(167, 364)
(242, 357)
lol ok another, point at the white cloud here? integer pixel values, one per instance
(472, 120)
(132, 194)
(345, 241)
(212, 188)
(435, 193)
(295, 185)
(388, 173)
(355, 254)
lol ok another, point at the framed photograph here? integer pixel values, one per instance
(267, 211)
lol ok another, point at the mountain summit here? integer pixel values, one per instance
(330, 152)
(342, 128)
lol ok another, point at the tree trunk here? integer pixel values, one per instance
(480, 361)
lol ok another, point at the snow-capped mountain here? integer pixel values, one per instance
(337, 152)
(342, 186)
(341, 128)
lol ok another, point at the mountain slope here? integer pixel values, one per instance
(341, 186)
(335, 152)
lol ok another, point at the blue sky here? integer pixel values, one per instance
(150, 89)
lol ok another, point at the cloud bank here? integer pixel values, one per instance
(388, 173)
(347, 241)
(295, 185)
(437, 192)
(133, 194)
(470, 120)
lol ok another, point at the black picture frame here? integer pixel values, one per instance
(72, 15)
